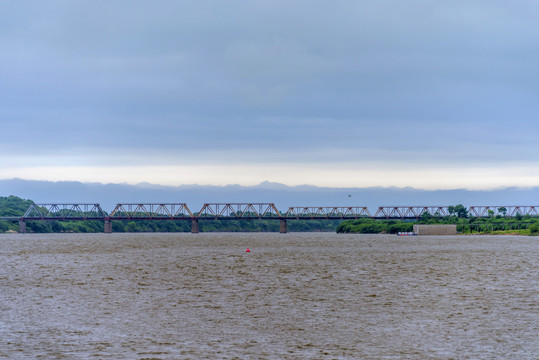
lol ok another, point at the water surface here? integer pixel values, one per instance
(294, 296)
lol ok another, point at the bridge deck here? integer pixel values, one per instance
(253, 211)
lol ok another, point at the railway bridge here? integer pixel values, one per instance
(245, 211)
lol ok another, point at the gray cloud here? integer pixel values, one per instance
(443, 80)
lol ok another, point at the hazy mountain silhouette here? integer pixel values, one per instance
(108, 195)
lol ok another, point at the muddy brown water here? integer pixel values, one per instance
(294, 296)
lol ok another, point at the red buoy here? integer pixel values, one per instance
(247, 250)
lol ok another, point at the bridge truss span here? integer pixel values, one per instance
(238, 211)
(252, 211)
(70, 211)
(510, 211)
(410, 212)
(151, 211)
(327, 212)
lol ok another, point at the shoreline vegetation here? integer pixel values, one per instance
(13, 206)
(472, 226)
(466, 225)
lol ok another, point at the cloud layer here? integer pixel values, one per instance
(351, 85)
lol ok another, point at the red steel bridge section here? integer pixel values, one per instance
(64, 212)
(151, 211)
(410, 212)
(326, 212)
(244, 211)
(510, 211)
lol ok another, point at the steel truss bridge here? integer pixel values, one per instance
(247, 211)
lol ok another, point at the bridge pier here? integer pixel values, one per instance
(194, 226)
(108, 226)
(22, 226)
(283, 227)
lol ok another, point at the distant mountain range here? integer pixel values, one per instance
(283, 196)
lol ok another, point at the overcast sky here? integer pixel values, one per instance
(429, 94)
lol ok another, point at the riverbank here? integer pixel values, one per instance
(465, 226)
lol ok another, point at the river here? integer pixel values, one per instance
(293, 296)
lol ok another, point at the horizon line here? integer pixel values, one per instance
(262, 185)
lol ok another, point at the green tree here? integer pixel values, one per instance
(461, 211)
(132, 226)
(425, 217)
(534, 228)
(4, 226)
(13, 206)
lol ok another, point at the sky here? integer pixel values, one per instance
(426, 94)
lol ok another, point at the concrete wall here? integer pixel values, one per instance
(435, 229)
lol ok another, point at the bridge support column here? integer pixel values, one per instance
(283, 228)
(108, 226)
(194, 226)
(22, 226)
